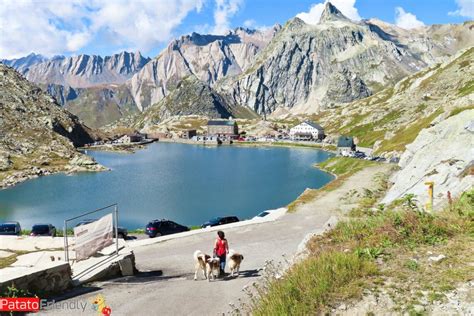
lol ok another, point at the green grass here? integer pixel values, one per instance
(367, 134)
(343, 262)
(460, 109)
(345, 165)
(8, 261)
(311, 284)
(467, 89)
(407, 135)
(342, 167)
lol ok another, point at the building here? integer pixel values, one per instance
(307, 130)
(189, 134)
(345, 145)
(131, 138)
(158, 135)
(226, 128)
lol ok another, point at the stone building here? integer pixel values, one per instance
(226, 128)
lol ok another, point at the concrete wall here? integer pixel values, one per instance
(47, 281)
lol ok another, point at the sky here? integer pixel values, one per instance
(105, 27)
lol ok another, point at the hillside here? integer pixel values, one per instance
(392, 118)
(207, 57)
(37, 136)
(306, 68)
(191, 97)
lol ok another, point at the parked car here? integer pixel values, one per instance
(10, 228)
(122, 231)
(43, 230)
(220, 221)
(263, 214)
(163, 227)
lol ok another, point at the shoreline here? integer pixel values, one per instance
(27, 177)
(327, 147)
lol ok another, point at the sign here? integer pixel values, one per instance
(93, 237)
(19, 304)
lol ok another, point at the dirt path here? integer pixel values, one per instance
(166, 285)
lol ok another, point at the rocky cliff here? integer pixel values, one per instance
(309, 67)
(443, 154)
(22, 64)
(85, 70)
(392, 118)
(207, 57)
(37, 136)
(191, 97)
(96, 106)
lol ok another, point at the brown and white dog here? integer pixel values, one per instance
(235, 259)
(208, 265)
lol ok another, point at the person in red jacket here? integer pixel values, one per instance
(221, 249)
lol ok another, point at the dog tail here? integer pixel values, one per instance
(231, 252)
(197, 254)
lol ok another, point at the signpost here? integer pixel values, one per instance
(429, 204)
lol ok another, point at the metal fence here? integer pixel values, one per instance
(115, 212)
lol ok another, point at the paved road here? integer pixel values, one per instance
(168, 287)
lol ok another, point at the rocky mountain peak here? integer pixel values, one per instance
(331, 13)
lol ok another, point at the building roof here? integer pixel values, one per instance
(221, 123)
(345, 141)
(312, 124)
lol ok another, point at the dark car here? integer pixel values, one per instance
(163, 227)
(220, 221)
(10, 228)
(43, 230)
(122, 231)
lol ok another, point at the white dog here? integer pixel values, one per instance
(235, 259)
(208, 265)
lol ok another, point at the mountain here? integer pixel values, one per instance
(392, 118)
(37, 136)
(86, 70)
(297, 69)
(69, 79)
(22, 64)
(96, 106)
(207, 57)
(191, 97)
(306, 68)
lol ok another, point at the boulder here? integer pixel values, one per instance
(443, 154)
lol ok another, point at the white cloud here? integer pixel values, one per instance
(51, 27)
(465, 8)
(347, 7)
(225, 9)
(406, 20)
(250, 23)
(253, 25)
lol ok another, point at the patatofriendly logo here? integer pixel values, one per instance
(99, 305)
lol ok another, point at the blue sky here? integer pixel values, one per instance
(105, 27)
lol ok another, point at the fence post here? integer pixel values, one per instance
(66, 247)
(116, 229)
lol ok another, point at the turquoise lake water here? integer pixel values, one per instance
(184, 183)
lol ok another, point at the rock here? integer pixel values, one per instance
(418, 308)
(446, 148)
(5, 161)
(34, 129)
(437, 258)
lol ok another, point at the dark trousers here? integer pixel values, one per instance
(222, 261)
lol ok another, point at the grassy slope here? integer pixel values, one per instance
(342, 167)
(378, 249)
(393, 117)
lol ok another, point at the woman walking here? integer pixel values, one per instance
(221, 249)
